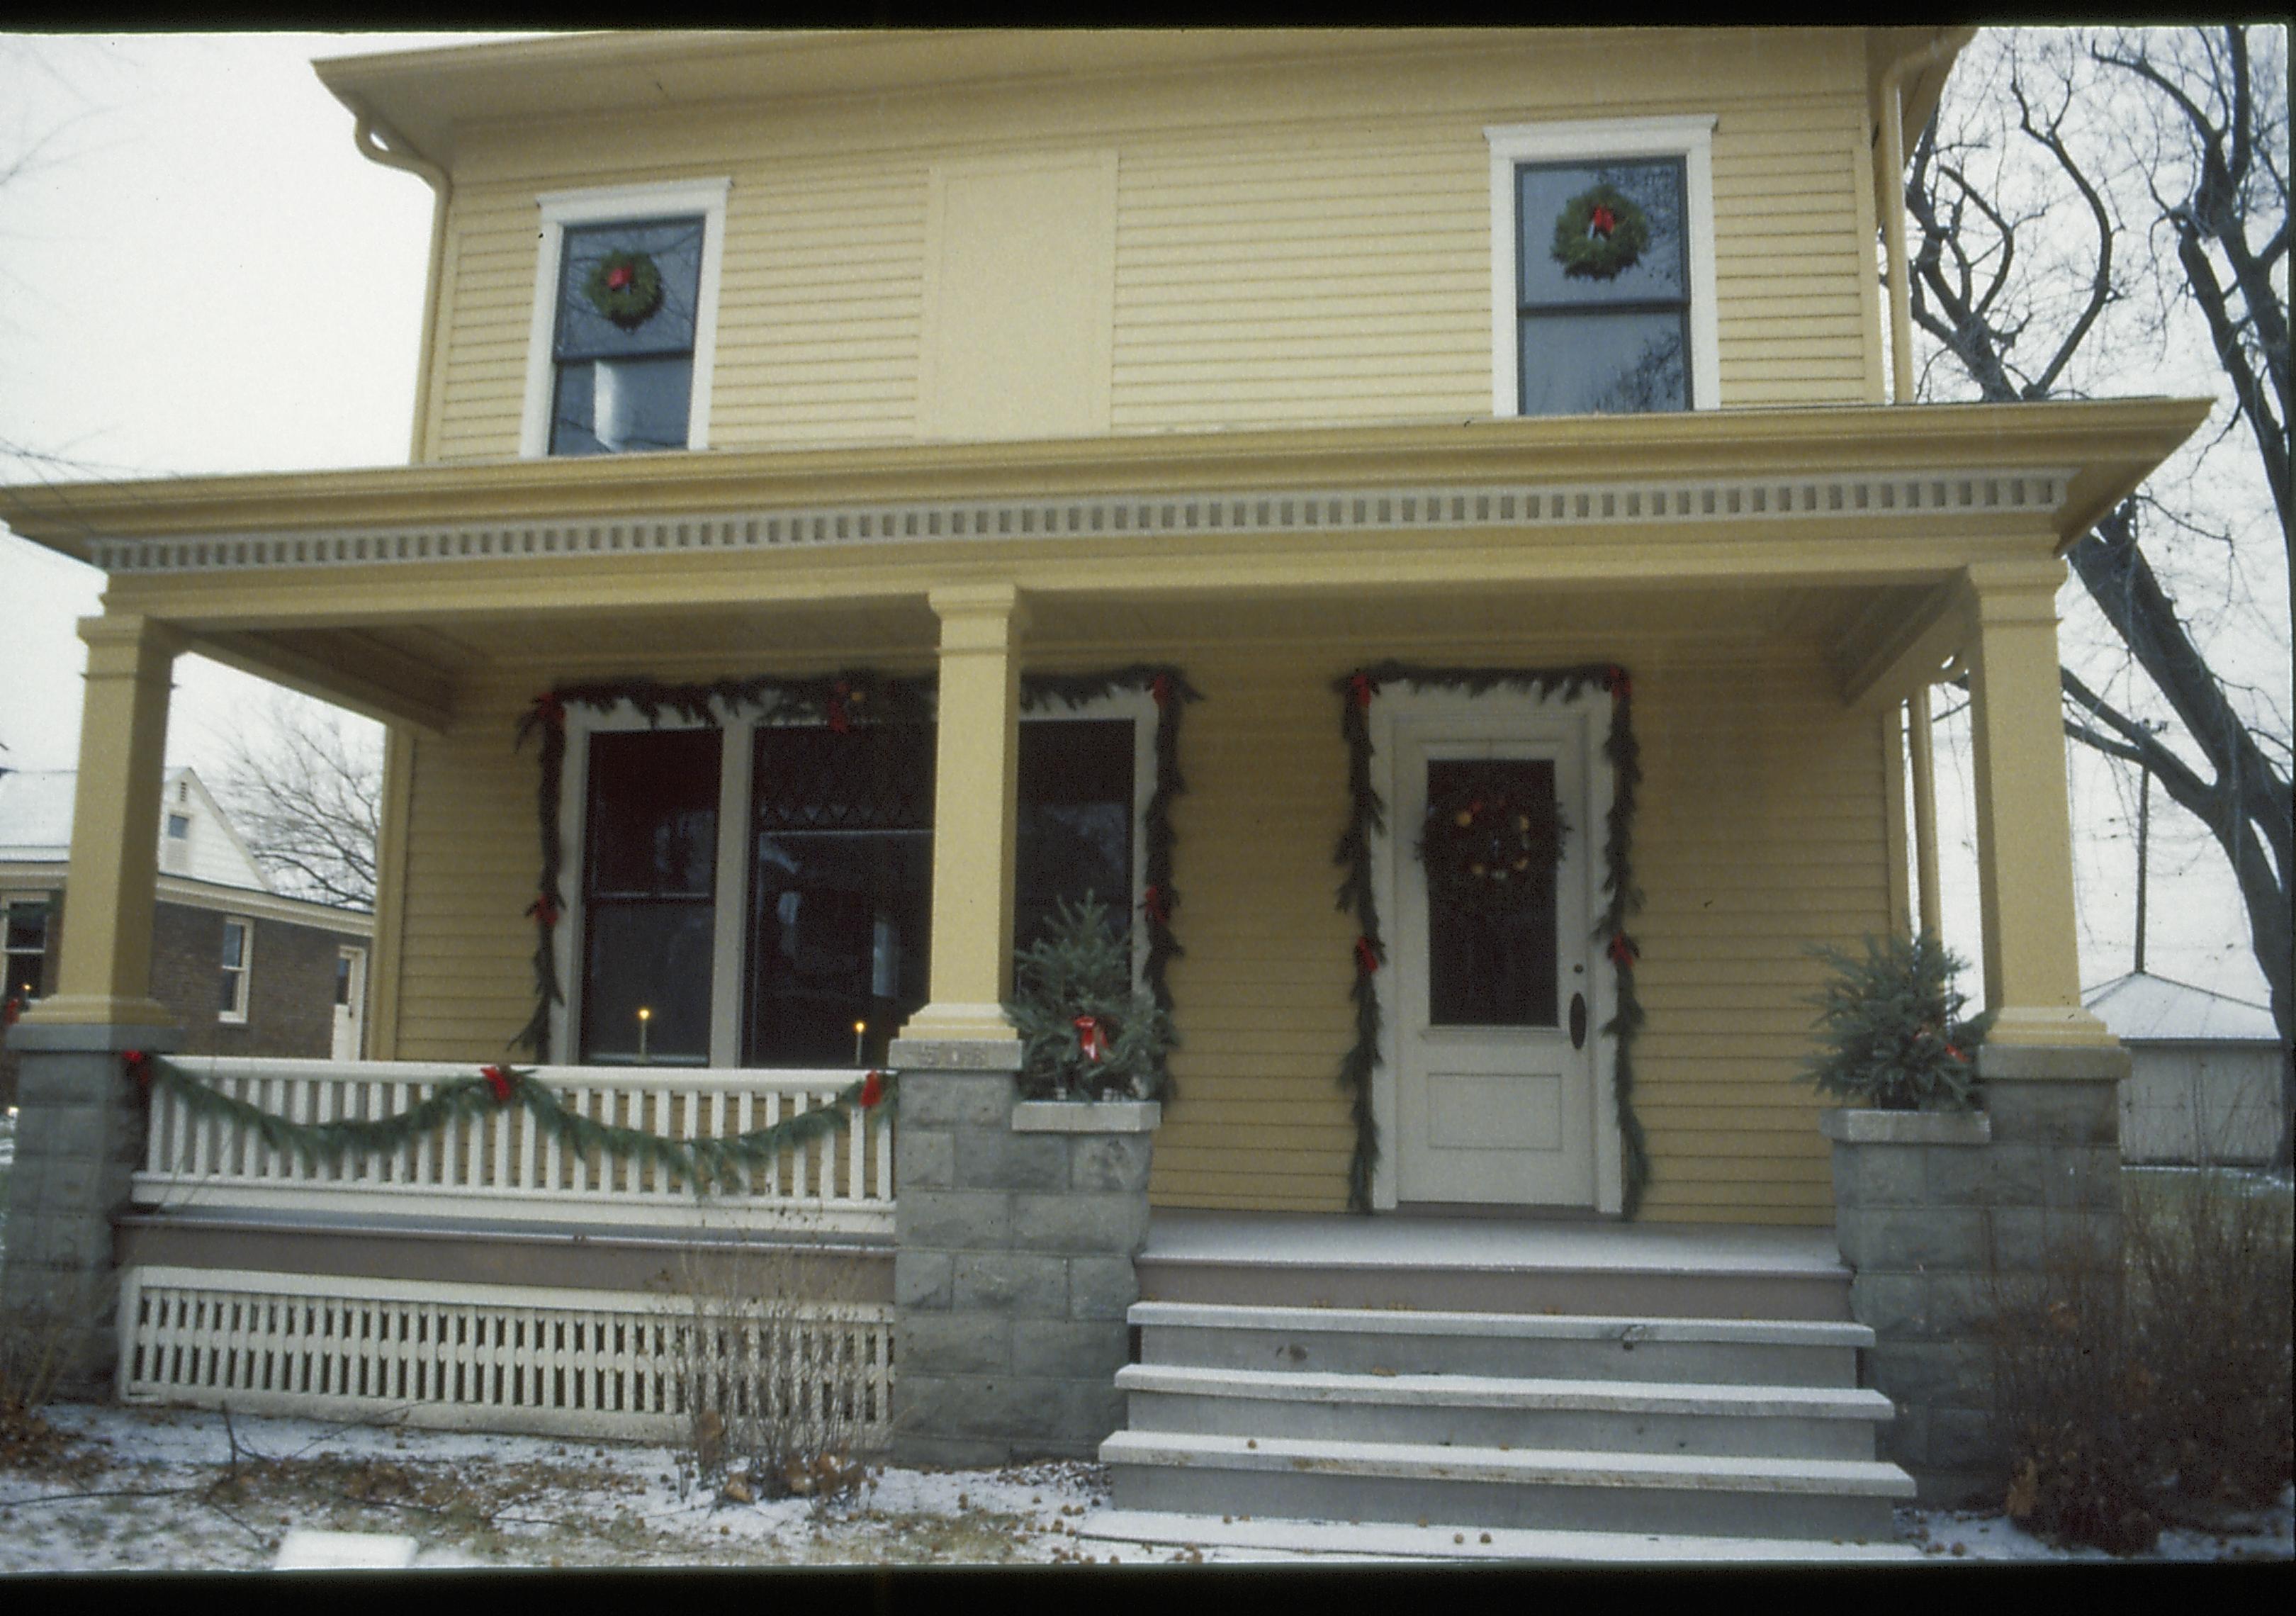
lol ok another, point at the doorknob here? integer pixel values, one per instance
(1578, 1021)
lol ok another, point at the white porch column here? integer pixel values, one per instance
(975, 790)
(2024, 828)
(105, 977)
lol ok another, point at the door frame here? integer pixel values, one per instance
(1593, 708)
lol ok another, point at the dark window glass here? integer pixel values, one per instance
(649, 870)
(624, 384)
(1492, 967)
(343, 979)
(26, 947)
(1609, 344)
(1075, 822)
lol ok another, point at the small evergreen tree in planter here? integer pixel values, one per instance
(1891, 1032)
(1087, 1032)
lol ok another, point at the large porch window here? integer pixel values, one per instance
(761, 895)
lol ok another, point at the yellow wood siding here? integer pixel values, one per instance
(1294, 245)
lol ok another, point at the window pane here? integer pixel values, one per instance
(235, 944)
(1488, 966)
(612, 406)
(584, 332)
(1603, 364)
(653, 819)
(841, 923)
(1659, 273)
(23, 976)
(877, 778)
(655, 957)
(28, 927)
(1075, 821)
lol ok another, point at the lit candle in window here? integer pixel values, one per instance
(860, 1043)
(644, 1016)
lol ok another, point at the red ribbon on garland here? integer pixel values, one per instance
(15, 1007)
(872, 1089)
(1362, 689)
(1090, 1038)
(549, 710)
(501, 1081)
(544, 910)
(1615, 680)
(1160, 689)
(1366, 956)
(137, 1065)
(1156, 905)
(1623, 952)
(839, 695)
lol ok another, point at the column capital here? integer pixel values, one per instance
(2013, 591)
(132, 630)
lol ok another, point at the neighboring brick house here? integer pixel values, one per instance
(247, 970)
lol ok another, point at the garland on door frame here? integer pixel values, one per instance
(856, 698)
(706, 1164)
(1368, 819)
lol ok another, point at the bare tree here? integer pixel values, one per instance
(306, 792)
(2094, 211)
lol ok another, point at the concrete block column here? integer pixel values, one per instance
(1016, 1225)
(1945, 1217)
(80, 1139)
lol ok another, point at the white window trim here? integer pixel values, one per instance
(560, 208)
(243, 988)
(731, 895)
(1690, 138)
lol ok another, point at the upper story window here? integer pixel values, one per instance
(1602, 268)
(625, 319)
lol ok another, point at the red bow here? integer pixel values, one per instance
(1366, 956)
(1602, 221)
(1362, 689)
(1090, 1038)
(544, 910)
(137, 1065)
(1160, 688)
(839, 694)
(1623, 952)
(500, 1080)
(15, 1007)
(618, 276)
(872, 1089)
(1158, 907)
(549, 710)
(1615, 680)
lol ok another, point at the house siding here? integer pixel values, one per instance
(1293, 244)
(1761, 828)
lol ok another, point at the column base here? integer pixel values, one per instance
(120, 1020)
(2049, 1027)
(957, 1023)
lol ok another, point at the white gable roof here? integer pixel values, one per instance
(2141, 1008)
(35, 825)
(36, 815)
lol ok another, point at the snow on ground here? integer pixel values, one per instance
(160, 1491)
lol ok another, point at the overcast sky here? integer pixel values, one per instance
(199, 273)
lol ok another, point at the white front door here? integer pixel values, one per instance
(350, 1003)
(1495, 998)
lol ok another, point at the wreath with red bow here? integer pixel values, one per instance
(626, 287)
(1599, 233)
(1488, 849)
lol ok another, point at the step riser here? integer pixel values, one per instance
(1206, 1489)
(1717, 1435)
(1631, 1295)
(1706, 1363)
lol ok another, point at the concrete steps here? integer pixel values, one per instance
(1508, 1421)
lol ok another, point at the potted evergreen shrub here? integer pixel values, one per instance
(1087, 1031)
(1891, 1036)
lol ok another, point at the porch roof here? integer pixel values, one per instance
(380, 588)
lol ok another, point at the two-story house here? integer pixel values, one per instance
(842, 461)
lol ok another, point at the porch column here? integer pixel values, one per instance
(2024, 828)
(975, 791)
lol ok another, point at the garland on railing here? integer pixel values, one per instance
(1368, 819)
(706, 1164)
(853, 699)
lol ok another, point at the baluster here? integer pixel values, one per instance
(856, 1144)
(773, 1161)
(801, 1177)
(881, 1128)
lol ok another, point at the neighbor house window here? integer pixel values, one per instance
(238, 967)
(27, 923)
(1602, 268)
(624, 316)
(179, 827)
(765, 893)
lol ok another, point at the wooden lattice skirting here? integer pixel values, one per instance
(472, 1357)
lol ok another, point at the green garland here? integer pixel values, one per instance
(626, 287)
(844, 701)
(705, 1164)
(1368, 819)
(1601, 233)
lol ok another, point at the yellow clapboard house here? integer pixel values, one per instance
(898, 481)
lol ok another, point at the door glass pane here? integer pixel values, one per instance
(1491, 955)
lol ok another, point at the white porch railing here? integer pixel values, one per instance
(499, 1166)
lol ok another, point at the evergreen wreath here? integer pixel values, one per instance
(626, 287)
(706, 1164)
(1599, 233)
(1368, 819)
(845, 701)
(1487, 851)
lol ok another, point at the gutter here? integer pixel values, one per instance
(1893, 213)
(377, 142)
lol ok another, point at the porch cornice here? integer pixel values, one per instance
(2099, 449)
